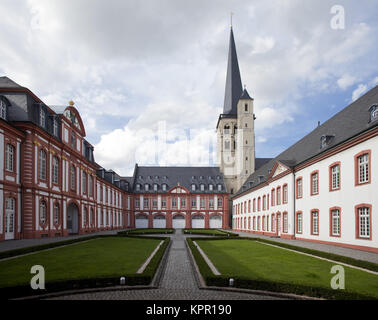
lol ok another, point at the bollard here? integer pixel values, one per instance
(122, 281)
(231, 282)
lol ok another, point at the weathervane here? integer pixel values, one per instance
(231, 14)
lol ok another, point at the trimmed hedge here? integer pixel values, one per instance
(145, 231)
(217, 234)
(265, 285)
(134, 279)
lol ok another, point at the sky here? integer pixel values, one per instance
(148, 77)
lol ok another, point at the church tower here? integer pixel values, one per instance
(235, 128)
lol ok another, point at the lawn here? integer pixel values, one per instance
(98, 258)
(256, 261)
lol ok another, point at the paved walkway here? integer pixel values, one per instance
(23, 243)
(178, 282)
(347, 252)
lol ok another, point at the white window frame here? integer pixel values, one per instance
(9, 157)
(42, 212)
(364, 222)
(363, 168)
(335, 177)
(56, 213)
(335, 222)
(299, 222)
(3, 109)
(42, 158)
(55, 170)
(315, 183)
(315, 222)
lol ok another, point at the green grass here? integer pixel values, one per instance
(214, 232)
(147, 231)
(251, 260)
(98, 258)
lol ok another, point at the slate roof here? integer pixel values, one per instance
(245, 95)
(172, 176)
(233, 89)
(348, 123)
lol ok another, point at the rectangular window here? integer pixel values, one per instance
(335, 222)
(299, 188)
(9, 157)
(299, 222)
(136, 203)
(273, 197)
(335, 177)
(314, 183)
(55, 170)
(174, 202)
(194, 202)
(363, 168)
(220, 202)
(278, 196)
(211, 203)
(163, 202)
(285, 223)
(364, 222)
(154, 203)
(202, 202)
(183, 203)
(145, 203)
(285, 193)
(315, 222)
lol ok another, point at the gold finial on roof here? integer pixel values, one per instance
(71, 103)
(231, 13)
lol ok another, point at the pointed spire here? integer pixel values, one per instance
(233, 80)
(245, 95)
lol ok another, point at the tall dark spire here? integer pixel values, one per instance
(233, 81)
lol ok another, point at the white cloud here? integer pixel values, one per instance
(359, 91)
(263, 45)
(346, 81)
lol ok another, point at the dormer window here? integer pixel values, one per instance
(193, 187)
(325, 141)
(373, 113)
(137, 187)
(3, 109)
(210, 187)
(164, 187)
(42, 117)
(219, 187)
(55, 127)
(155, 187)
(140, 177)
(202, 187)
(146, 187)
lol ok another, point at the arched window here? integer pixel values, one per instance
(56, 213)
(9, 158)
(73, 177)
(42, 164)
(42, 212)
(55, 170)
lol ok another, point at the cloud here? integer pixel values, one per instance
(359, 91)
(130, 64)
(346, 81)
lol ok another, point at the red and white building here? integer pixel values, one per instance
(180, 197)
(49, 183)
(321, 189)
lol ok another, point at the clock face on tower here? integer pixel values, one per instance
(71, 116)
